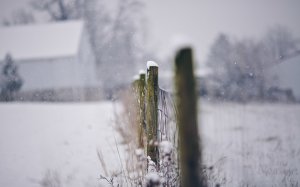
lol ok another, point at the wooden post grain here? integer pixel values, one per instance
(134, 107)
(186, 103)
(141, 101)
(151, 110)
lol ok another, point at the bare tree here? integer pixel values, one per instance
(280, 44)
(115, 37)
(59, 9)
(19, 17)
(221, 61)
(240, 66)
(250, 60)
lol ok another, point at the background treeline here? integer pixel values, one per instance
(240, 67)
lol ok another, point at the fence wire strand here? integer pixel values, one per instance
(167, 128)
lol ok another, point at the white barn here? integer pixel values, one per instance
(286, 75)
(54, 56)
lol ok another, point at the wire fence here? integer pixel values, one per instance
(167, 128)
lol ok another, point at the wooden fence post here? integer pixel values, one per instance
(141, 101)
(151, 110)
(186, 103)
(134, 106)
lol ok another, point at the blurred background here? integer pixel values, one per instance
(57, 54)
(84, 50)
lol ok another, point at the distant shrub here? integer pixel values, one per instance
(10, 81)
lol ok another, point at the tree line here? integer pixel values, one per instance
(239, 66)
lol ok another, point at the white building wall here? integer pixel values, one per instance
(50, 74)
(76, 71)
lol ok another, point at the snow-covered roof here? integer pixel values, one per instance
(41, 41)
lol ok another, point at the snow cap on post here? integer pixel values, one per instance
(135, 78)
(142, 72)
(178, 42)
(151, 64)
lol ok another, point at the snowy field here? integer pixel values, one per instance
(246, 145)
(58, 142)
(252, 145)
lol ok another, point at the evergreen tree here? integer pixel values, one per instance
(11, 82)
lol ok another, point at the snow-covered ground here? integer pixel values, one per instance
(254, 144)
(55, 141)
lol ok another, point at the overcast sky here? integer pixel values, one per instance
(201, 20)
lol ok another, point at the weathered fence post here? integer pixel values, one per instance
(142, 115)
(186, 103)
(151, 110)
(134, 107)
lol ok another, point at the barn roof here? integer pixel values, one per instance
(41, 41)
